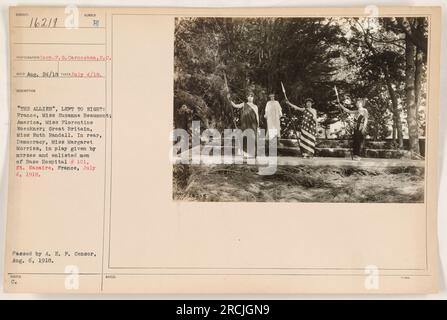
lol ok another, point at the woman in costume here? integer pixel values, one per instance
(273, 114)
(249, 120)
(360, 125)
(308, 129)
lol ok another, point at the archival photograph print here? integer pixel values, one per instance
(329, 109)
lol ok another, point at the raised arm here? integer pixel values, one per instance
(237, 106)
(346, 109)
(294, 106)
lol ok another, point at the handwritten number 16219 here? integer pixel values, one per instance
(43, 22)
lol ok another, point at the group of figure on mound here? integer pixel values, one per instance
(249, 119)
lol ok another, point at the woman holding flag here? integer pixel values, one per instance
(308, 129)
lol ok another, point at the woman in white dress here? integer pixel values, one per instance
(273, 114)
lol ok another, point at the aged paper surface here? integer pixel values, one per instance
(96, 204)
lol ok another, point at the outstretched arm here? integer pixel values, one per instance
(238, 106)
(345, 109)
(294, 106)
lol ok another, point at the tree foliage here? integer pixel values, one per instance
(363, 57)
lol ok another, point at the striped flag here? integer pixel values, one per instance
(308, 132)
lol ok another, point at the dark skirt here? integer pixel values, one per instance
(249, 121)
(358, 142)
(358, 138)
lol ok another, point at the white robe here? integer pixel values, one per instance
(273, 113)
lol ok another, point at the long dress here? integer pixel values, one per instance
(249, 120)
(273, 113)
(308, 132)
(358, 139)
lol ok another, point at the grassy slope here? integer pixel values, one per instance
(298, 183)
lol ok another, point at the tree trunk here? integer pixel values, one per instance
(397, 123)
(418, 76)
(410, 75)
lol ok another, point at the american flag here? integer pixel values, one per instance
(308, 132)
